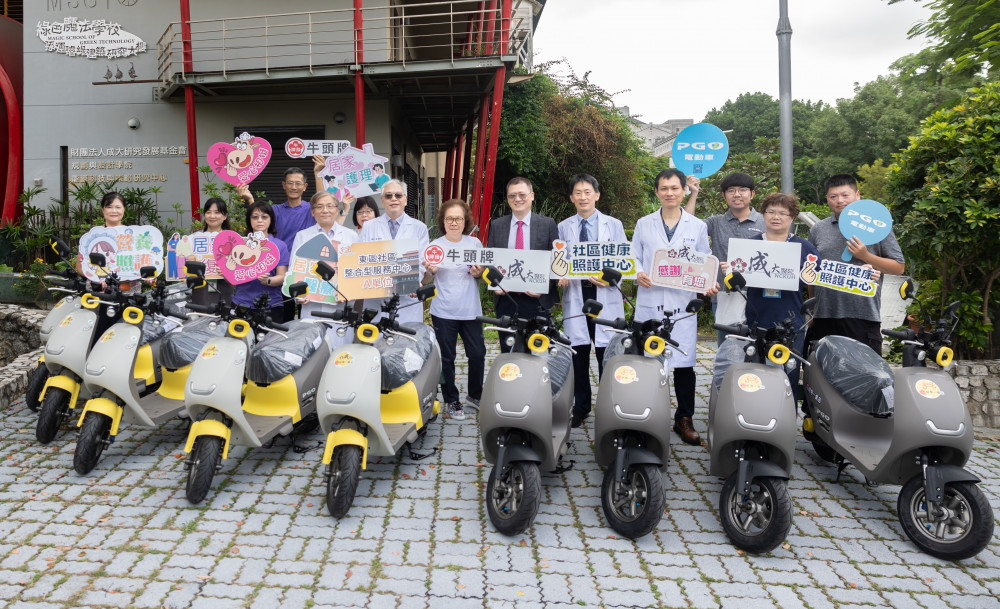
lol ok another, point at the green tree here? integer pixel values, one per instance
(944, 191)
(872, 180)
(967, 36)
(762, 163)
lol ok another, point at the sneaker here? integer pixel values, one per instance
(455, 411)
(469, 400)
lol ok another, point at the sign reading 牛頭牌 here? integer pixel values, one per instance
(242, 259)
(587, 258)
(303, 268)
(300, 149)
(840, 276)
(126, 249)
(378, 269)
(766, 264)
(868, 220)
(523, 270)
(196, 247)
(684, 268)
(355, 171)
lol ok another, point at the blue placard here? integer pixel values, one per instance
(868, 220)
(700, 150)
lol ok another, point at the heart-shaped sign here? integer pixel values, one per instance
(241, 161)
(242, 259)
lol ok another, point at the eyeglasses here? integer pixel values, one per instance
(327, 207)
(738, 190)
(393, 195)
(294, 184)
(457, 220)
(777, 213)
(520, 196)
(366, 211)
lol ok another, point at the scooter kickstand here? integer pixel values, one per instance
(564, 468)
(420, 456)
(841, 466)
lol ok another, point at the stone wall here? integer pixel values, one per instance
(979, 382)
(19, 349)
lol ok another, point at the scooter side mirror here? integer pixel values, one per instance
(610, 276)
(808, 305)
(194, 268)
(694, 305)
(492, 276)
(735, 281)
(147, 272)
(427, 293)
(952, 310)
(98, 260)
(60, 248)
(592, 308)
(299, 288)
(325, 271)
(906, 290)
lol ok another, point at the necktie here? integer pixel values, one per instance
(393, 227)
(519, 238)
(584, 236)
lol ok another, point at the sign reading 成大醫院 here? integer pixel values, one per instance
(766, 264)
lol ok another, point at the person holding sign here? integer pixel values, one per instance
(522, 230)
(395, 224)
(671, 227)
(343, 200)
(260, 216)
(216, 214)
(840, 313)
(456, 307)
(587, 225)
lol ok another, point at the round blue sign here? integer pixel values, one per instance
(868, 220)
(700, 150)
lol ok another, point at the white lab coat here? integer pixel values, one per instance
(651, 303)
(377, 229)
(608, 229)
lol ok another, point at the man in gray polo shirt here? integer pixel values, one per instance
(839, 313)
(740, 222)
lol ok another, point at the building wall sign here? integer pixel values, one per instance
(89, 38)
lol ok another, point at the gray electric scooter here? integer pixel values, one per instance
(752, 421)
(908, 426)
(524, 417)
(632, 418)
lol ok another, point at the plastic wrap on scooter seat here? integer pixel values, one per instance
(277, 356)
(858, 374)
(616, 347)
(559, 360)
(730, 352)
(403, 359)
(152, 330)
(178, 349)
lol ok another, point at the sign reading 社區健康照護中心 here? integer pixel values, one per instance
(358, 172)
(840, 276)
(523, 270)
(298, 148)
(868, 220)
(700, 150)
(196, 247)
(126, 249)
(766, 264)
(684, 268)
(88, 38)
(586, 259)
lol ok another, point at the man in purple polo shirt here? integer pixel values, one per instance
(294, 214)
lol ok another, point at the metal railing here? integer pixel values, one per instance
(442, 30)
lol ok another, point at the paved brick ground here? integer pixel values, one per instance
(418, 535)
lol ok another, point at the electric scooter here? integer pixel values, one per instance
(250, 386)
(632, 419)
(149, 390)
(524, 417)
(377, 395)
(752, 420)
(908, 427)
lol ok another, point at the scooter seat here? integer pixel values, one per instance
(559, 362)
(275, 357)
(402, 360)
(178, 349)
(858, 374)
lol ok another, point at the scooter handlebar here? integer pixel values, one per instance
(397, 327)
(738, 329)
(276, 326)
(62, 283)
(173, 311)
(198, 308)
(900, 334)
(492, 321)
(617, 324)
(334, 315)
(561, 338)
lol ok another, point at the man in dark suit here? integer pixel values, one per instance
(523, 230)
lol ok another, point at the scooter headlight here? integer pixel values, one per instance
(389, 340)
(112, 312)
(510, 341)
(751, 351)
(341, 331)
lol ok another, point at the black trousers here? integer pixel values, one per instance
(583, 397)
(447, 332)
(867, 332)
(684, 381)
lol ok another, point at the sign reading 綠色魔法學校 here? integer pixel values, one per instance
(766, 264)
(684, 268)
(586, 259)
(126, 249)
(89, 38)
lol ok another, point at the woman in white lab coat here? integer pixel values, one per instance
(584, 192)
(671, 227)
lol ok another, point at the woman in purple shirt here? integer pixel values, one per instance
(260, 216)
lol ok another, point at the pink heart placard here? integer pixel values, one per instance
(241, 259)
(241, 161)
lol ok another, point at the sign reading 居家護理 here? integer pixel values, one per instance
(355, 171)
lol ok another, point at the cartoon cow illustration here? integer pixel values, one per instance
(240, 157)
(239, 253)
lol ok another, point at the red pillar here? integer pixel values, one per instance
(456, 166)
(192, 131)
(359, 83)
(477, 170)
(491, 21)
(446, 186)
(467, 156)
(14, 152)
(491, 155)
(477, 50)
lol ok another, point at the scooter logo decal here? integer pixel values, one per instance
(750, 383)
(927, 388)
(509, 372)
(209, 351)
(108, 336)
(625, 375)
(66, 320)
(342, 360)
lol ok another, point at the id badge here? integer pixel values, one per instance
(772, 293)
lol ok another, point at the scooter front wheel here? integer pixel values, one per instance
(954, 529)
(54, 409)
(756, 521)
(206, 455)
(512, 497)
(91, 442)
(35, 384)
(342, 482)
(633, 508)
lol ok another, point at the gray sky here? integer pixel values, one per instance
(681, 58)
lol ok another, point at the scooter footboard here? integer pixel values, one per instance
(633, 396)
(215, 383)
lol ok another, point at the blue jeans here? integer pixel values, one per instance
(447, 332)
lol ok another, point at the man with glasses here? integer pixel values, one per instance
(523, 230)
(739, 222)
(395, 224)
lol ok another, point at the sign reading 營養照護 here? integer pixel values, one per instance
(586, 259)
(523, 270)
(126, 249)
(766, 264)
(684, 268)
(700, 150)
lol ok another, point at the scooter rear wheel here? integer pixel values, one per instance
(512, 502)
(342, 483)
(54, 408)
(35, 384)
(957, 528)
(633, 508)
(759, 520)
(205, 458)
(91, 442)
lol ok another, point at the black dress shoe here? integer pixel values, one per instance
(577, 420)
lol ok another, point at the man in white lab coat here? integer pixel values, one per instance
(395, 224)
(587, 225)
(670, 227)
